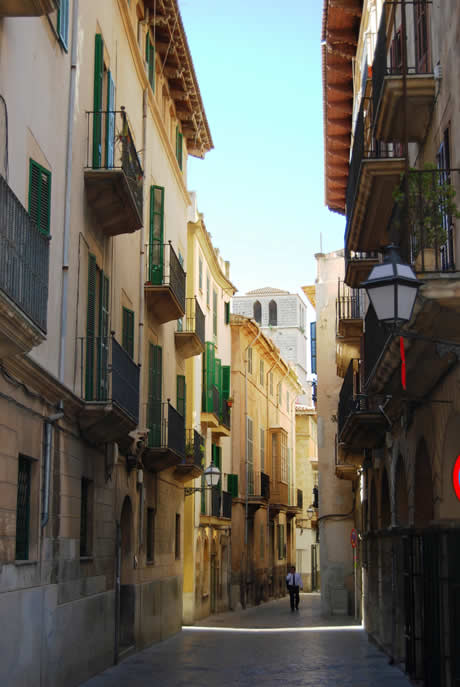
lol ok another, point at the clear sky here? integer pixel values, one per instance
(261, 189)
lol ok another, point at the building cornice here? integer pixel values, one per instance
(204, 240)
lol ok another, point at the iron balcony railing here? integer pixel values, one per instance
(108, 374)
(110, 145)
(226, 505)
(388, 53)
(299, 498)
(164, 269)
(216, 499)
(355, 257)
(194, 447)
(194, 319)
(424, 225)
(166, 427)
(349, 398)
(351, 303)
(24, 258)
(375, 339)
(258, 484)
(224, 417)
(211, 405)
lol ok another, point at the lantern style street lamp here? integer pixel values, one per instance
(212, 477)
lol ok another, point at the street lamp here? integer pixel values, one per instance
(212, 477)
(310, 511)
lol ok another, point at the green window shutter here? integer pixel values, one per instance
(179, 146)
(209, 377)
(154, 398)
(63, 23)
(313, 346)
(90, 328)
(227, 312)
(232, 485)
(103, 339)
(218, 384)
(225, 382)
(150, 59)
(40, 196)
(156, 248)
(97, 100)
(128, 331)
(181, 395)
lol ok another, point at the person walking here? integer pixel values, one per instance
(294, 584)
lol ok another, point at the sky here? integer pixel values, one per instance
(261, 189)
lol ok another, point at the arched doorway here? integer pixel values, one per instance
(126, 587)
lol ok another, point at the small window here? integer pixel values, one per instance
(208, 291)
(63, 23)
(40, 196)
(150, 60)
(261, 372)
(258, 312)
(272, 314)
(200, 273)
(227, 312)
(128, 331)
(150, 548)
(85, 517)
(250, 360)
(177, 537)
(181, 394)
(271, 383)
(262, 450)
(23, 509)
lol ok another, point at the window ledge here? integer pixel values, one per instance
(19, 564)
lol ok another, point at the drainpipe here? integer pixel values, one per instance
(68, 188)
(47, 466)
(142, 262)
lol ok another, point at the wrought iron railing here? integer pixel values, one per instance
(375, 339)
(110, 145)
(24, 258)
(164, 269)
(194, 320)
(224, 416)
(258, 484)
(211, 404)
(299, 498)
(108, 374)
(388, 55)
(216, 499)
(226, 505)
(355, 257)
(351, 303)
(166, 427)
(194, 447)
(348, 398)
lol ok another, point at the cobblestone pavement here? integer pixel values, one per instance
(267, 645)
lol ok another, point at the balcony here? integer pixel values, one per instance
(27, 8)
(359, 425)
(388, 83)
(113, 174)
(222, 429)
(189, 336)
(375, 171)
(109, 386)
(351, 306)
(164, 288)
(210, 408)
(24, 268)
(258, 489)
(166, 438)
(358, 264)
(192, 465)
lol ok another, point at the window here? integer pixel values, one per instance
(150, 60)
(181, 393)
(23, 509)
(262, 541)
(179, 146)
(271, 383)
(280, 394)
(40, 196)
(208, 291)
(85, 517)
(421, 36)
(250, 361)
(97, 333)
(443, 163)
(313, 346)
(63, 23)
(261, 372)
(274, 455)
(250, 450)
(154, 404)
(214, 314)
(150, 548)
(156, 232)
(262, 450)
(284, 462)
(128, 331)
(272, 314)
(232, 485)
(281, 543)
(200, 273)
(227, 312)
(258, 312)
(177, 537)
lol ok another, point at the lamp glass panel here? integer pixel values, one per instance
(406, 300)
(382, 271)
(212, 475)
(383, 300)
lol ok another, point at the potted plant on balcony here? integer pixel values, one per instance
(431, 206)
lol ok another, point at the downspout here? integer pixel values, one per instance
(68, 189)
(142, 263)
(47, 466)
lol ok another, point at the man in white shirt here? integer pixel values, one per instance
(294, 583)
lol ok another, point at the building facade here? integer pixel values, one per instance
(265, 495)
(93, 243)
(392, 145)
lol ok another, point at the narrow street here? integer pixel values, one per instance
(267, 645)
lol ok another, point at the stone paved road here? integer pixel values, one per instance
(266, 646)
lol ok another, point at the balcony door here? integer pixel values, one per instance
(421, 36)
(97, 333)
(155, 389)
(156, 239)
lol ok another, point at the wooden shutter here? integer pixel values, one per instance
(128, 331)
(40, 196)
(90, 328)
(154, 403)
(97, 101)
(232, 485)
(181, 395)
(227, 312)
(209, 376)
(218, 383)
(63, 22)
(110, 125)
(156, 235)
(225, 382)
(103, 339)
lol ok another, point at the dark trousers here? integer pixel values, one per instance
(294, 596)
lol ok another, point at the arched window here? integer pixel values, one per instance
(272, 313)
(258, 312)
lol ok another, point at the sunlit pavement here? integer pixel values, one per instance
(267, 645)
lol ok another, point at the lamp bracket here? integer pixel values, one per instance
(191, 490)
